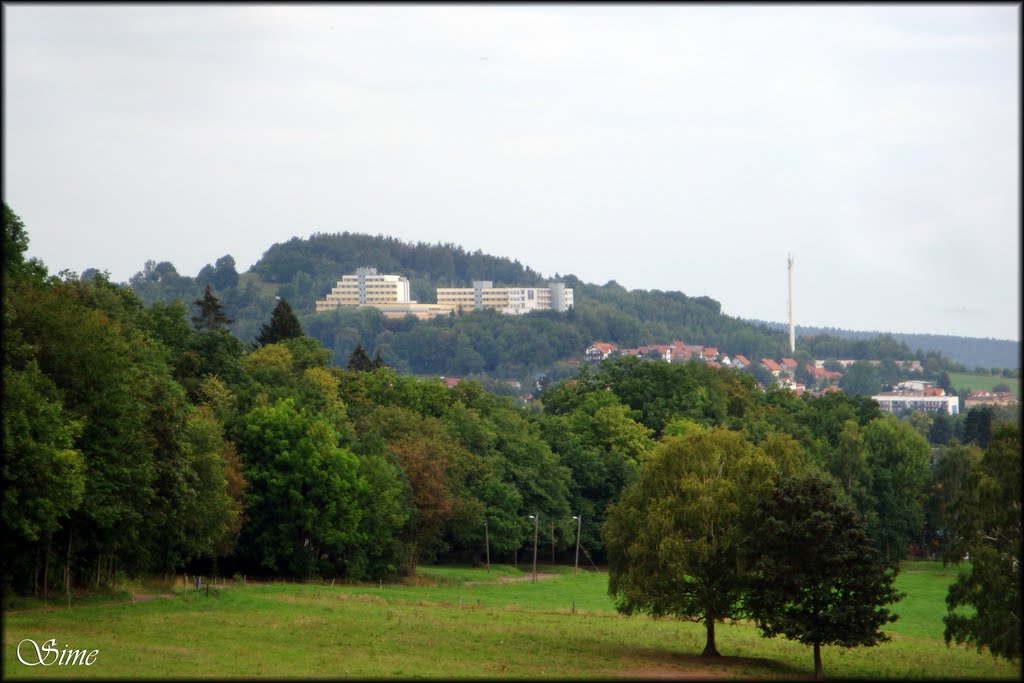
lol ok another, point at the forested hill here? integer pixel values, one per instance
(485, 343)
(973, 352)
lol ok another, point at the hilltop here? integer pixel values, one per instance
(479, 343)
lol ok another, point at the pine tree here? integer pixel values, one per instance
(211, 313)
(359, 360)
(283, 325)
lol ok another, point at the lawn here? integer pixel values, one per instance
(444, 624)
(963, 380)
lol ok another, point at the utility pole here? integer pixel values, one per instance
(487, 543)
(579, 521)
(536, 523)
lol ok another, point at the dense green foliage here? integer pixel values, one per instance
(990, 534)
(677, 538)
(816, 577)
(135, 442)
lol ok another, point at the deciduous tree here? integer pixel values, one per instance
(817, 578)
(990, 533)
(676, 538)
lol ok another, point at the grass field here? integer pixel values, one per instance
(443, 624)
(963, 380)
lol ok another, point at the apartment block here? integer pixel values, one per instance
(509, 300)
(366, 288)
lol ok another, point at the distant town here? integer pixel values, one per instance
(390, 294)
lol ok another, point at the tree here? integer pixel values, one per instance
(848, 464)
(283, 325)
(304, 492)
(941, 430)
(359, 360)
(14, 247)
(211, 313)
(861, 378)
(898, 458)
(990, 532)
(817, 577)
(978, 426)
(675, 539)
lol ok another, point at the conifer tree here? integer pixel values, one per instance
(211, 313)
(283, 325)
(359, 360)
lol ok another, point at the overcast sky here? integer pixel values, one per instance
(674, 147)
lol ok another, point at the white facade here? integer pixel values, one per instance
(366, 288)
(898, 401)
(509, 300)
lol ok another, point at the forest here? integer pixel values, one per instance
(149, 438)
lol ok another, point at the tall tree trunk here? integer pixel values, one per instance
(35, 573)
(709, 646)
(67, 566)
(46, 565)
(818, 675)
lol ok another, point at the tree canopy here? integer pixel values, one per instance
(817, 578)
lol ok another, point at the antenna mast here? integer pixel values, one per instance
(792, 335)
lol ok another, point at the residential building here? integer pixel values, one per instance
(599, 351)
(739, 361)
(387, 293)
(988, 398)
(480, 296)
(772, 366)
(914, 385)
(788, 366)
(509, 300)
(926, 402)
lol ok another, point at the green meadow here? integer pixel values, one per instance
(462, 622)
(963, 380)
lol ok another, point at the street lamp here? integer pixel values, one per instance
(536, 523)
(579, 522)
(487, 542)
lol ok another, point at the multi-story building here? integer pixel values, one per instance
(481, 295)
(366, 287)
(387, 293)
(510, 300)
(928, 401)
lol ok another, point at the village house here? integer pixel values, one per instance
(988, 398)
(599, 351)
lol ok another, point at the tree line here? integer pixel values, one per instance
(148, 438)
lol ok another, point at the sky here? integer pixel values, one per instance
(682, 147)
